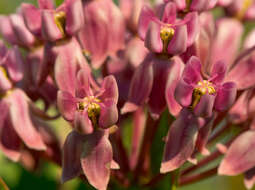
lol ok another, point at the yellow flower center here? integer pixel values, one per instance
(90, 103)
(60, 20)
(201, 89)
(166, 34)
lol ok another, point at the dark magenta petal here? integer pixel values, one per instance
(238, 157)
(14, 64)
(67, 105)
(108, 114)
(157, 100)
(152, 39)
(74, 16)
(218, 72)
(82, 122)
(205, 106)
(169, 15)
(110, 89)
(180, 142)
(177, 67)
(226, 96)
(32, 18)
(72, 151)
(21, 121)
(178, 44)
(50, 30)
(96, 160)
(146, 16)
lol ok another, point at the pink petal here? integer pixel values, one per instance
(21, 121)
(175, 74)
(46, 4)
(192, 27)
(226, 96)
(205, 106)
(183, 93)
(67, 105)
(5, 83)
(108, 114)
(6, 30)
(72, 151)
(218, 72)
(74, 16)
(178, 43)
(82, 122)
(96, 159)
(180, 141)
(239, 157)
(249, 178)
(145, 18)
(32, 18)
(110, 89)
(169, 15)
(152, 39)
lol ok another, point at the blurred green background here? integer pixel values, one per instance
(48, 175)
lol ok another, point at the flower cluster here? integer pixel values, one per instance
(103, 66)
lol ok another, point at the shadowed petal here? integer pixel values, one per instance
(226, 96)
(67, 105)
(180, 141)
(239, 157)
(21, 121)
(82, 122)
(5, 83)
(96, 160)
(72, 151)
(249, 178)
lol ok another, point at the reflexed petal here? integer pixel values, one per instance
(218, 72)
(169, 15)
(110, 89)
(239, 157)
(141, 83)
(227, 42)
(96, 160)
(180, 141)
(15, 65)
(205, 106)
(67, 105)
(226, 96)
(243, 73)
(82, 122)
(152, 39)
(65, 71)
(50, 31)
(74, 16)
(192, 27)
(108, 114)
(145, 18)
(32, 18)
(157, 100)
(21, 121)
(21, 31)
(178, 44)
(72, 151)
(177, 67)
